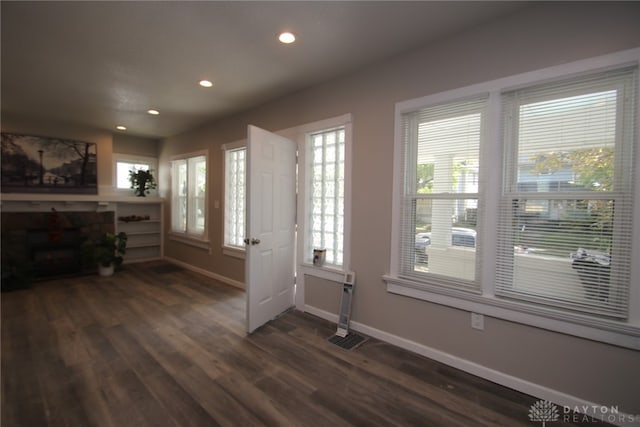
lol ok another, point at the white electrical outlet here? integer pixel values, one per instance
(477, 321)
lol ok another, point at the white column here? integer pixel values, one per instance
(442, 209)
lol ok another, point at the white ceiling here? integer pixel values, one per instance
(101, 64)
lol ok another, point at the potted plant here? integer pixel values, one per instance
(107, 252)
(142, 181)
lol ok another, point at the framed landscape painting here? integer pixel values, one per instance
(35, 164)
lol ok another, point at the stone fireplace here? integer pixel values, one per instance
(49, 243)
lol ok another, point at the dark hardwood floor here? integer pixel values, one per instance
(156, 345)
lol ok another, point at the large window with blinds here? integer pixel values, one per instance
(441, 150)
(517, 198)
(188, 195)
(566, 213)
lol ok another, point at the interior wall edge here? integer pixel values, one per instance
(207, 273)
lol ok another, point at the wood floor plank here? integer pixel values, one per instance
(71, 347)
(92, 397)
(140, 361)
(255, 400)
(220, 405)
(388, 398)
(156, 345)
(131, 401)
(183, 409)
(439, 393)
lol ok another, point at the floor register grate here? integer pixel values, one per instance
(348, 342)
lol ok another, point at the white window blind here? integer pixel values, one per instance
(564, 236)
(235, 186)
(179, 195)
(441, 146)
(326, 195)
(188, 210)
(196, 209)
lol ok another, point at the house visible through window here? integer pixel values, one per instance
(440, 199)
(518, 203)
(188, 210)
(566, 212)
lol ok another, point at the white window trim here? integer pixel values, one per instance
(232, 251)
(621, 333)
(299, 135)
(185, 237)
(132, 158)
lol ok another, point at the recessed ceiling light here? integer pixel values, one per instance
(120, 127)
(205, 83)
(153, 112)
(286, 38)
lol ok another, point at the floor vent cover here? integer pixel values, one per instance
(349, 342)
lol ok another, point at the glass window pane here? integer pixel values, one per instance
(326, 194)
(447, 154)
(567, 144)
(189, 189)
(235, 197)
(122, 172)
(569, 242)
(445, 238)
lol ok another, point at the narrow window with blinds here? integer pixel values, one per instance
(564, 237)
(234, 197)
(439, 203)
(188, 200)
(325, 207)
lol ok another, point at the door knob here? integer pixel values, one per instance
(251, 241)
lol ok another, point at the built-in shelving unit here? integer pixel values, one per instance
(143, 224)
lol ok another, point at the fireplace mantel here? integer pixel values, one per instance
(144, 232)
(20, 202)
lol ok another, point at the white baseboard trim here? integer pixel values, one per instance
(599, 412)
(207, 273)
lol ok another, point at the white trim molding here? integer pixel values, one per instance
(207, 273)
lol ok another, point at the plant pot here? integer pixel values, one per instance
(105, 271)
(140, 192)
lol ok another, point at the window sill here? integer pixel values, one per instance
(325, 272)
(234, 252)
(604, 330)
(190, 240)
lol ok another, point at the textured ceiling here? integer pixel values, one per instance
(101, 64)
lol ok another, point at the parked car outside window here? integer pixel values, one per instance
(464, 237)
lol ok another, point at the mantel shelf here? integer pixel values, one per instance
(76, 198)
(146, 238)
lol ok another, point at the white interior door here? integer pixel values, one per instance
(271, 221)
